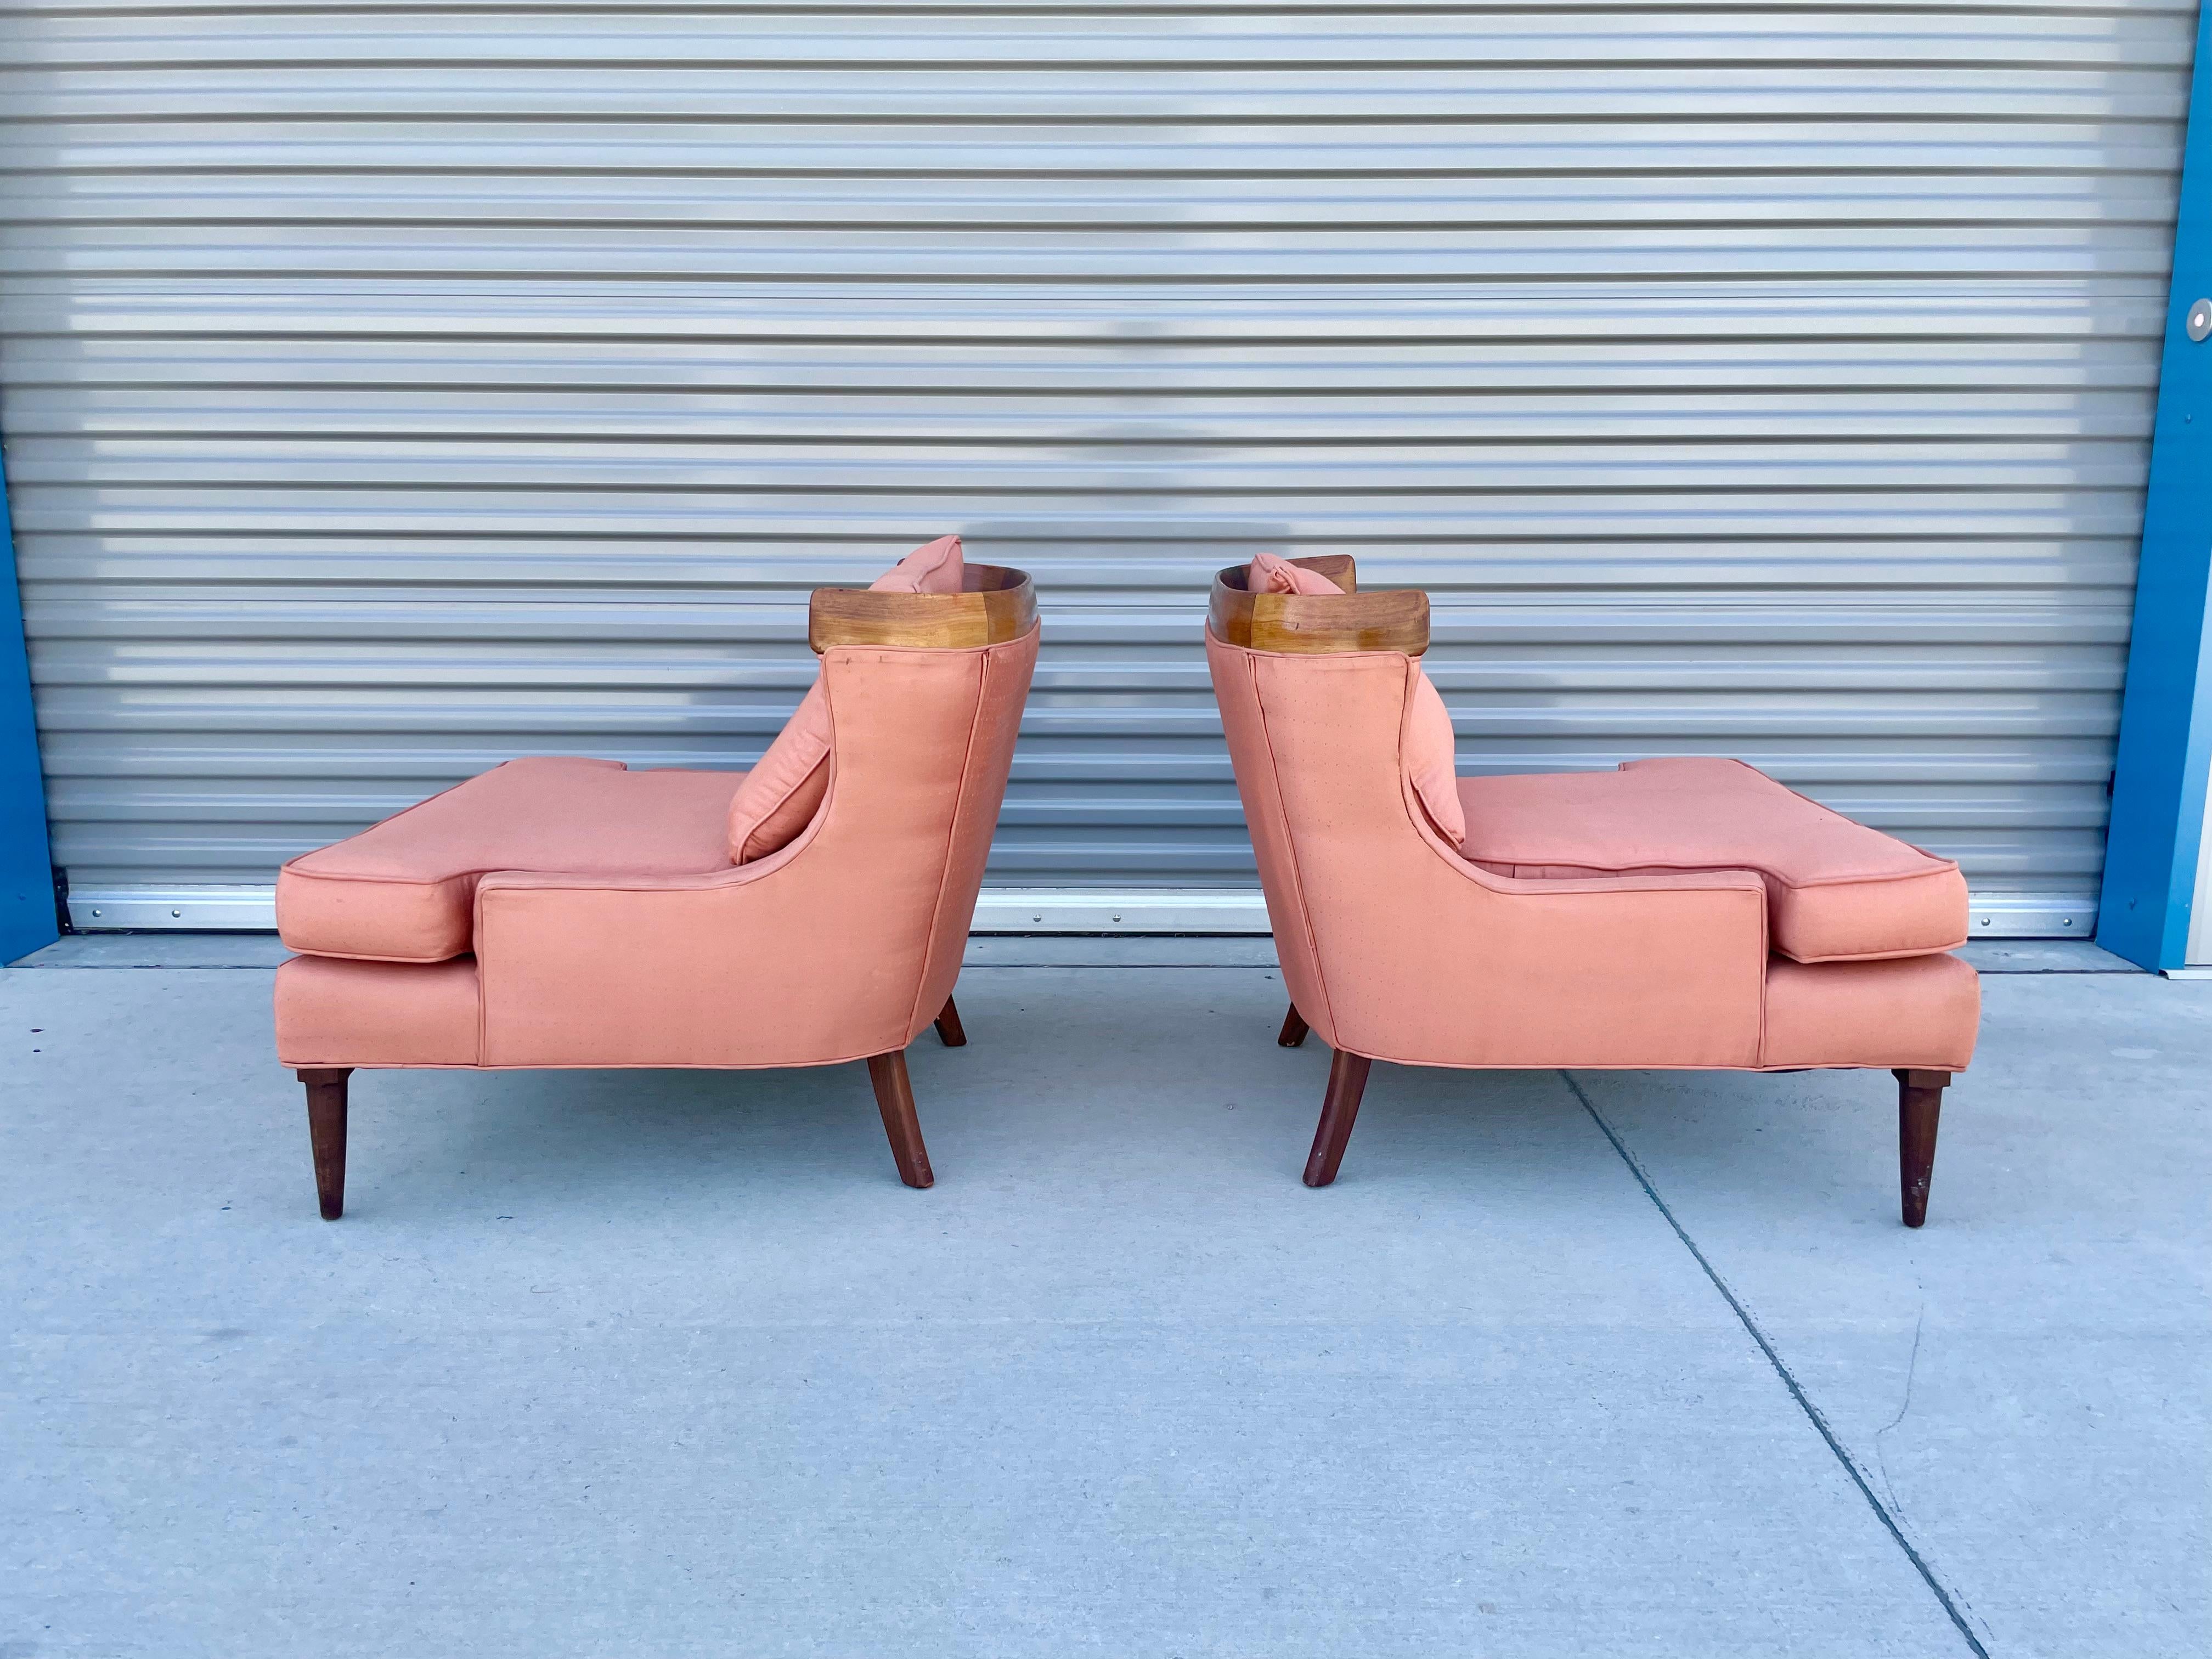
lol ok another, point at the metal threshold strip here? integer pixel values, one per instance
(998, 910)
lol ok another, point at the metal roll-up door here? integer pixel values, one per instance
(391, 389)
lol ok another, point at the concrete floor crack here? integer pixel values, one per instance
(1883, 1511)
(1911, 1370)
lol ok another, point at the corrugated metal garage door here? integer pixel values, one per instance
(391, 389)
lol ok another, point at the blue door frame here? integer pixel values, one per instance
(2165, 720)
(26, 866)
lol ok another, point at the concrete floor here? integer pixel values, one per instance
(670, 1364)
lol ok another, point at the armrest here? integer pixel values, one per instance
(1640, 971)
(770, 963)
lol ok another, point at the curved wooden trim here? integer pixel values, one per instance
(1312, 624)
(996, 604)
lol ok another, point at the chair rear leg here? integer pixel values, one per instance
(895, 1100)
(326, 1132)
(1348, 1080)
(1919, 1105)
(1294, 1029)
(949, 1031)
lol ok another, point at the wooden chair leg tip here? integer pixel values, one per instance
(1919, 1113)
(1339, 1107)
(327, 1133)
(949, 1031)
(895, 1100)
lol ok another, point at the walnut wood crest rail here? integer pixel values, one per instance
(1389, 619)
(996, 604)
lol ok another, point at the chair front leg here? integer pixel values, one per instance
(327, 1133)
(1294, 1029)
(949, 1031)
(895, 1100)
(1919, 1105)
(1348, 1080)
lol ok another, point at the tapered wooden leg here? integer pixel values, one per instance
(1919, 1104)
(949, 1030)
(1294, 1029)
(327, 1131)
(1348, 1080)
(895, 1100)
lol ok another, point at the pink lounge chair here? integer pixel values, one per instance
(574, 912)
(1671, 913)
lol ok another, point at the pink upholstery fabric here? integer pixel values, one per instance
(404, 890)
(1838, 890)
(781, 794)
(1916, 1011)
(783, 791)
(838, 946)
(1395, 948)
(1236, 689)
(1431, 753)
(936, 567)
(376, 1013)
(1005, 672)
(1268, 573)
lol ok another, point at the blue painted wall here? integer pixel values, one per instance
(2166, 722)
(27, 877)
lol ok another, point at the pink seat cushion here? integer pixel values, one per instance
(405, 889)
(1836, 890)
(1430, 750)
(783, 791)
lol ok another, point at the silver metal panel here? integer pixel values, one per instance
(391, 389)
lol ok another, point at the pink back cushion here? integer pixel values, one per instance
(933, 568)
(781, 794)
(1431, 753)
(1271, 574)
